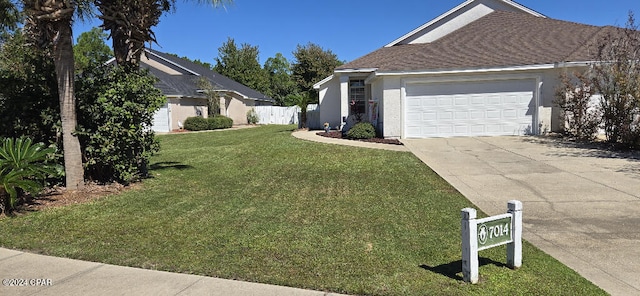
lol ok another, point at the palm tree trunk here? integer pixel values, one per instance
(64, 64)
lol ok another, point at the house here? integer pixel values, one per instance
(178, 80)
(484, 68)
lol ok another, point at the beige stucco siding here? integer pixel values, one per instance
(236, 107)
(182, 108)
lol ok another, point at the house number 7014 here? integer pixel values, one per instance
(494, 231)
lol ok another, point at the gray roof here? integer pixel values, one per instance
(499, 39)
(186, 83)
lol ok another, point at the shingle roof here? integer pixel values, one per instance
(499, 39)
(185, 85)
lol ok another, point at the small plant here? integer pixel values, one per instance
(24, 166)
(362, 130)
(219, 122)
(196, 124)
(252, 116)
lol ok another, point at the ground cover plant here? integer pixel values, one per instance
(260, 205)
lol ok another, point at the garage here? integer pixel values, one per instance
(460, 109)
(161, 119)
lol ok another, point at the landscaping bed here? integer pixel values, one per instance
(338, 135)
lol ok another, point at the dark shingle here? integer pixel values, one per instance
(500, 39)
(185, 84)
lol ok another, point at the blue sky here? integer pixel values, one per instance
(349, 28)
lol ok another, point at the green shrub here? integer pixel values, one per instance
(115, 115)
(24, 166)
(196, 124)
(29, 103)
(219, 122)
(362, 130)
(252, 116)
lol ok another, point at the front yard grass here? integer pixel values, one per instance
(260, 205)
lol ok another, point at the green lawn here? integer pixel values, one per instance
(260, 205)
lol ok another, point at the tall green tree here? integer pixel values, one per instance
(278, 71)
(49, 23)
(312, 64)
(90, 50)
(130, 24)
(241, 64)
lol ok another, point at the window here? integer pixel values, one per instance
(357, 101)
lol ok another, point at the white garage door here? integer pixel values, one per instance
(161, 119)
(491, 108)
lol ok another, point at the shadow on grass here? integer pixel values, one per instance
(159, 166)
(451, 270)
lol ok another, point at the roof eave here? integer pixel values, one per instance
(467, 70)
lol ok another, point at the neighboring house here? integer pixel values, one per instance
(178, 81)
(484, 68)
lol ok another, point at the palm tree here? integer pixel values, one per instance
(9, 15)
(130, 24)
(49, 24)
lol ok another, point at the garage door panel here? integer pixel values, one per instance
(161, 119)
(510, 114)
(469, 109)
(461, 115)
(445, 102)
(461, 101)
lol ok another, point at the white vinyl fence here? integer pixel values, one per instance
(288, 115)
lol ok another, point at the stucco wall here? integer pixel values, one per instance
(377, 95)
(392, 107)
(182, 108)
(235, 107)
(388, 91)
(329, 95)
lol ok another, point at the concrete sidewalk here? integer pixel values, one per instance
(581, 204)
(46, 275)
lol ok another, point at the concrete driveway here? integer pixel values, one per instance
(581, 204)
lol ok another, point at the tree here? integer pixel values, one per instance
(9, 16)
(617, 78)
(278, 71)
(130, 24)
(91, 50)
(311, 65)
(28, 92)
(213, 97)
(241, 64)
(49, 23)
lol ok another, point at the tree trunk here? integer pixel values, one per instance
(64, 63)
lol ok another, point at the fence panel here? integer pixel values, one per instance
(288, 115)
(277, 115)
